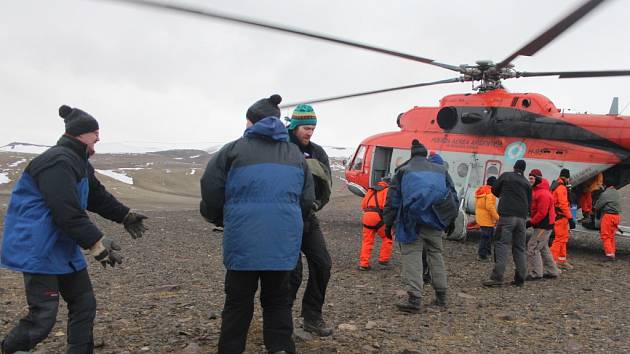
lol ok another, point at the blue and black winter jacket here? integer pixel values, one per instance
(259, 188)
(46, 223)
(417, 185)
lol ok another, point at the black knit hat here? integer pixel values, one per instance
(565, 173)
(520, 165)
(418, 149)
(490, 181)
(77, 121)
(263, 108)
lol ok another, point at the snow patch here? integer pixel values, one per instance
(194, 157)
(16, 163)
(178, 158)
(4, 178)
(193, 171)
(339, 151)
(24, 148)
(117, 176)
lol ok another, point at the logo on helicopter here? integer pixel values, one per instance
(515, 151)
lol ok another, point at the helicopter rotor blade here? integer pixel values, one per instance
(335, 98)
(554, 31)
(267, 25)
(576, 74)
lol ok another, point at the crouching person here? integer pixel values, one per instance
(259, 188)
(421, 203)
(46, 227)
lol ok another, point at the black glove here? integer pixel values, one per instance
(104, 251)
(388, 231)
(133, 224)
(528, 223)
(571, 224)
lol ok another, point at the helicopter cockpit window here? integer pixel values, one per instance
(358, 159)
(526, 103)
(447, 118)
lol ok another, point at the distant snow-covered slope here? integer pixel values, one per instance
(26, 148)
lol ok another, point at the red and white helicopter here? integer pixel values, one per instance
(481, 134)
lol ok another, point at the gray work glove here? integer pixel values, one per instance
(133, 224)
(104, 251)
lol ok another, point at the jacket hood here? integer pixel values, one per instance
(483, 191)
(544, 184)
(382, 184)
(269, 128)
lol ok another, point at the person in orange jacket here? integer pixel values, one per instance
(372, 205)
(486, 216)
(586, 199)
(564, 220)
(609, 207)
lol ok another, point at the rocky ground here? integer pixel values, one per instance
(168, 295)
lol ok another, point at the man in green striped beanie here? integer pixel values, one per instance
(301, 128)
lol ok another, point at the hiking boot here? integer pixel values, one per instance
(565, 266)
(440, 299)
(385, 264)
(530, 278)
(518, 283)
(280, 352)
(317, 327)
(364, 268)
(412, 305)
(483, 258)
(492, 283)
(549, 276)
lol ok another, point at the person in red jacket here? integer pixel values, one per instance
(564, 220)
(540, 263)
(372, 206)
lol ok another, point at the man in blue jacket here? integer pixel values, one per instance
(259, 188)
(421, 204)
(46, 227)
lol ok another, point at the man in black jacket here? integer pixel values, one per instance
(46, 227)
(515, 195)
(303, 121)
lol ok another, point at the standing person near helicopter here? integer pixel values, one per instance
(301, 129)
(486, 216)
(609, 207)
(564, 219)
(372, 206)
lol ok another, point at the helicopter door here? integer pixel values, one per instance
(493, 168)
(380, 164)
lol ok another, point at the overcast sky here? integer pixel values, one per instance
(156, 76)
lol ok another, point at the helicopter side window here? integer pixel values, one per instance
(358, 159)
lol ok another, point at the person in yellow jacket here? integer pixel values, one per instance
(486, 216)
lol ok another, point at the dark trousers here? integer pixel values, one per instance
(485, 241)
(42, 296)
(511, 235)
(319, 265)
(240, 289)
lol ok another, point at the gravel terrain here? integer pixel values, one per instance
(168, 294)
